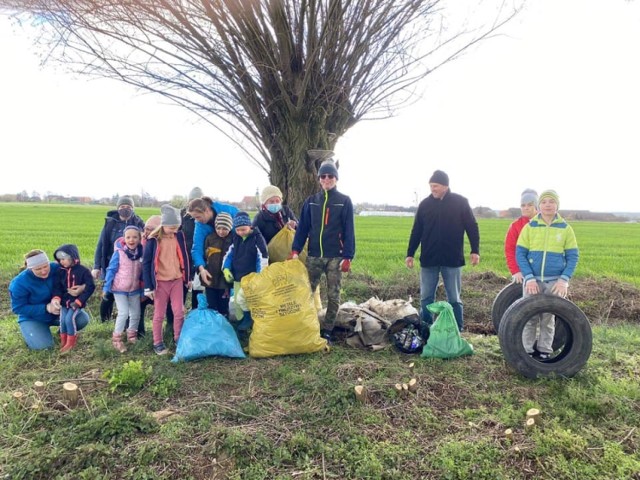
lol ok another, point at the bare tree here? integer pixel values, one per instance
(278, 77)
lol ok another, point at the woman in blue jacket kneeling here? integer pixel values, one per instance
(31, 292)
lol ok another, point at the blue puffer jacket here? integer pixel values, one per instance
(30, 295)
(202, 230)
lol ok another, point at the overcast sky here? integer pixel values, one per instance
(552, 103)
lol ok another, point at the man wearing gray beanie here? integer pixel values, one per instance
(529, 209)
(439, 227)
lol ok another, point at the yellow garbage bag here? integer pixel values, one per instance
(285, 320)
(279, 249)
(280, 246)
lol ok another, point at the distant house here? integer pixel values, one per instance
(250, 202)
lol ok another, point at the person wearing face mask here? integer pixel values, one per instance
(273, 215)
(115, 223)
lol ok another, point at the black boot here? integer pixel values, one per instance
(328, 335)
(106, 307)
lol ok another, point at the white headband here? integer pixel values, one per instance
(37, 260)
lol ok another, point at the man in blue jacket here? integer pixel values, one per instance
(327, 223)
(439, 226)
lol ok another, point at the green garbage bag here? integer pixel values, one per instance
(444, 337)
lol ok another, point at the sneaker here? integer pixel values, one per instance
(160, 349)
(540, 356)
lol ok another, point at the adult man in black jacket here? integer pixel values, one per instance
(114, 225)
(439, 226)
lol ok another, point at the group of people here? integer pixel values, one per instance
(540, 249)
(155, 262)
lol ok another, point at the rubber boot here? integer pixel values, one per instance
(63, 340)
(247, 322)
(70, 344)
(118, 344)
(243, 328)
(132, 336)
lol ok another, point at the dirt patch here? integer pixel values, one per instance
(604, 301)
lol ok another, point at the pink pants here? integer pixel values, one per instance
(165, 291)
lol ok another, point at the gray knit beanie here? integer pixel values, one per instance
(125, 200)
(170, 216)
(529, 196)
(328, 167)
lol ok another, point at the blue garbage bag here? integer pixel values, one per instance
(206, 333)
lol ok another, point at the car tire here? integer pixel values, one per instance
(505, 298)
(566, 361)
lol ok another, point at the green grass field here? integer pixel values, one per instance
(296, 417)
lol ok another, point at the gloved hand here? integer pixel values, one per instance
(148, 293)
(345, 265)
(293, 255)
(228, 276)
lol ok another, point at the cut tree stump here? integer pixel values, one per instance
(508, 433)
(398, 389)
(405, 390)
(70, 393)
(18, 397)
(529, 424)
(413, 385)
(38, 386)
(361, 393)
(411, 366)
(534, 414)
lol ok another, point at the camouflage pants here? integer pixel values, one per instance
(316, 266)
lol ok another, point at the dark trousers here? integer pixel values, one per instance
(218, 300)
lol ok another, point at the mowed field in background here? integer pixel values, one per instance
(606, 249)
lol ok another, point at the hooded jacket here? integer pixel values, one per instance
(75, 275)
(112, 230)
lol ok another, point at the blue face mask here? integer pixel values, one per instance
(274, 207)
